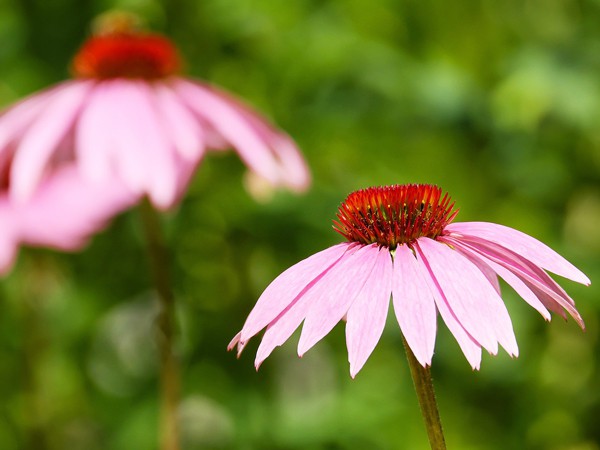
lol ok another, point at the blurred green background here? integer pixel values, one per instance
(498, 102)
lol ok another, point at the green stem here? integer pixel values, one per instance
(35, 345)
(169, 368)
(424, 387)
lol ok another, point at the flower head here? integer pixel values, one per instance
(130, 116)
(402, 242)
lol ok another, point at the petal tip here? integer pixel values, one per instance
(354, 369)
(258, 363)
(235, 341)
(425, 362)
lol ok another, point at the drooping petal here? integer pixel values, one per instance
(473, 300)
(67, 209)
(280, 330)
(42, 138)
(514, 281)
(548, 301)
(8, 235)
(253, 150)
(284, 289)
(469, 346)
(17, 118)
(95, 147)
(293, 166)
(486, 270)
(367, 314)
(185, 171)
(282, 327)
(331, 298)
(295, 171)
(127, 154)
(535, 278)
(522, 244)
(142, 128)
(236, 342)
(451, 279)
(414, 304)
(180, 125)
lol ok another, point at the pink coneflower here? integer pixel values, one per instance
(61, 214)
(401, 242)
(129, 115)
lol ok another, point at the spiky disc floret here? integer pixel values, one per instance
(126, 55)
(394, 215)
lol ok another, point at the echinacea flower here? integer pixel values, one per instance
(130, 116)
(402, 243)
(62, 213)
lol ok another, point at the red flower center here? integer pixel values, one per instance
(394, 215)
(126, 55)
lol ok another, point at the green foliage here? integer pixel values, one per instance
(498, 102)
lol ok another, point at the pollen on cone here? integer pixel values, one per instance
(393, 215)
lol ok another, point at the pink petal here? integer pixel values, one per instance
(514, 281)
(283, 326)
(281, 329)
(8, 235)
(331, 298)
(141, 153)
(185, 171)
(144, 130)
(295, 171)
(469, 346)
(17, 118)
(236, 342)
(522, 244)
(534, 277)
(128, 157)
(43, 137)
(66, 209)
(182, 129)
(234, 127)
(414, 304)
(285, 289)
(94, 142)
(489, 274)
(476, 304)
(367, 315)
(548, 301)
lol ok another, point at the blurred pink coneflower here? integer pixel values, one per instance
(401, 242)
(128, 126)
(130, 116)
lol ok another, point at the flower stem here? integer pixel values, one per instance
(169, 368)
(424, 387)
(32, 301)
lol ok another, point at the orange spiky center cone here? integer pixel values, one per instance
(126, 53)
(394, 215)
